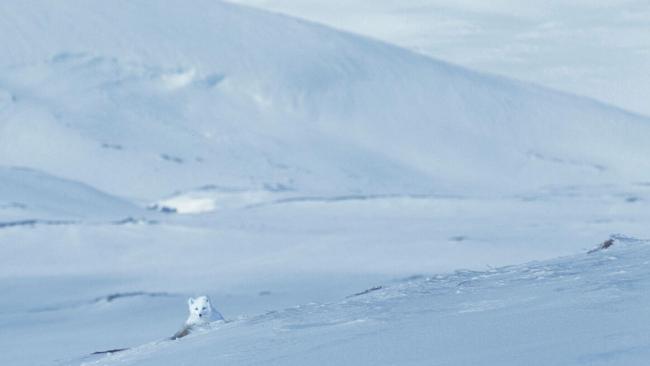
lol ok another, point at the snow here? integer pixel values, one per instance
(153, 152)
(584, 309)
(281, 255)
(281, 103)
(597, 49)
(29, 194)
(212, 198)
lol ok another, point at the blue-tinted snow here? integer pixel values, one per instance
(589, 309)
(295, 164)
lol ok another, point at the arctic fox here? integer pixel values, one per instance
(201, 314)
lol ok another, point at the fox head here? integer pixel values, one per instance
(200, 309)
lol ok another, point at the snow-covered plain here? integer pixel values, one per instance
(153, 151)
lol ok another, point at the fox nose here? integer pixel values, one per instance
(200, 315)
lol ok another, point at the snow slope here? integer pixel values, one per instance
(28, 195)
(585, 309)
(106, 94)
(596, 49)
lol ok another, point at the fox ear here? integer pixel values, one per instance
(190, 301)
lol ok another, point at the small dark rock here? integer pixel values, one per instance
(604, 245)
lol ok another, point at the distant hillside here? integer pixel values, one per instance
(220, 94)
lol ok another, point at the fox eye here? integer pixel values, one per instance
(196, 308)
(203, 308)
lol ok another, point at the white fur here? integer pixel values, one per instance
(201, 311)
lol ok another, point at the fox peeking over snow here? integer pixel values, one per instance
(201, 314)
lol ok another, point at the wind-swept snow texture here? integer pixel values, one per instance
(141, 98)
(589, 309)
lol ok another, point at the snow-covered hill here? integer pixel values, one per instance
(589, 309)
(27, 196)
(141, 99)
(596, 49)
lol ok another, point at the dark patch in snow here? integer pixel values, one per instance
(163, 209)
(604, 245)
(124, 295)
(458, 238)
(136, 221)
(277, 187)
(632, 199)
(33, 222)
(210, 187)
(264, 293)
(14, 205)
(276, 165)
(112, 146)
(110, 351)
(171, 158)
(37, 222)
(102, 299)
(218, 188)
(372, 289)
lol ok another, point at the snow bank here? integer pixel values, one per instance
(585, 309)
